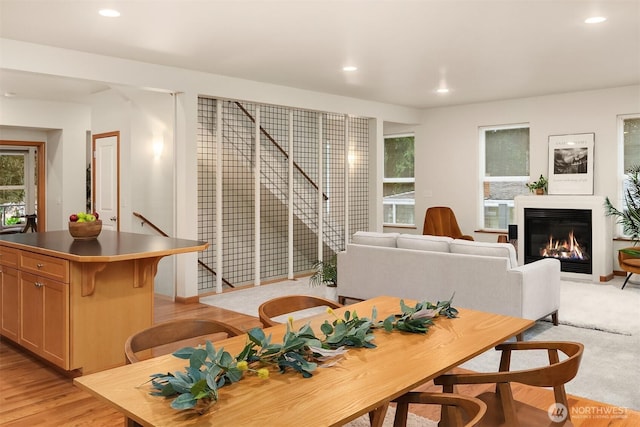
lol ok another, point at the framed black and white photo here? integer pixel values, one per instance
(571, 164)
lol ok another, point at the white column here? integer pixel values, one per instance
(256, 190)
(320, 188)
(290, 206)
(219, 211)
(186, 193)
(347, 153)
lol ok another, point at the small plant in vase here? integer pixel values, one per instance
(539, 186)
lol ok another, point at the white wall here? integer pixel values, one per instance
(447, 144)
(64, 127)
(144, 120)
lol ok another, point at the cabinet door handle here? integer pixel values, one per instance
(39, 265)
(38, 285)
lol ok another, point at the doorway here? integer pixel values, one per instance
(105, 167)
(22, 184)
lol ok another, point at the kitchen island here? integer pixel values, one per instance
(75, 302)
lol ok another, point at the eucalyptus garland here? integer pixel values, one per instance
(197, 387)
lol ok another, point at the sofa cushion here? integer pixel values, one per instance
(424, 242)
(504, 250)
(373, 238)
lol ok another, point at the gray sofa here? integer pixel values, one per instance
(484, 276)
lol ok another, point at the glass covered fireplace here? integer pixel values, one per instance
(565, 234)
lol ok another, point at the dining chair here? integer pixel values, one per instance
(166, 337)
(459, 407)
(289, 304)
(502, 409)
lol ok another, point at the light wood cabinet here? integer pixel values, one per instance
(73, 302)
(44, 314)
(9, 303)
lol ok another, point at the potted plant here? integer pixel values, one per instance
(326, 273)
(539, 186)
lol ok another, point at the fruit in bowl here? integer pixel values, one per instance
(84, 225)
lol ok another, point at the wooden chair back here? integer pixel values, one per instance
(455, 408)
(289, 304)
(180, 333)
(554, 375)
(441, 221)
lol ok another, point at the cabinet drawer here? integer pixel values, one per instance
(9, 257)
(47, 266)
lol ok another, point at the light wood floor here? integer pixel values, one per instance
(32, 393)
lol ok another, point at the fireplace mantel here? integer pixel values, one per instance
(602, 232)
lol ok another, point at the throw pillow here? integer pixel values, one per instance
(373, 238)
(504, 250)
(424, 242)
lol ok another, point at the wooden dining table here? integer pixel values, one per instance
(363, 381)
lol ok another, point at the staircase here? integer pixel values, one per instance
(274, 175)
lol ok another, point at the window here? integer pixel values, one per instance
(630, 141)
(399, 180)
(504, 172)
(17, 186)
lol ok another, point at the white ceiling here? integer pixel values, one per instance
(482, 49)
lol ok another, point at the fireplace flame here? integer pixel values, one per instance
(564, 249)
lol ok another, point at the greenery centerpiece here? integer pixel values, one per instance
(198, 386)
(629, 217)
(539, 186)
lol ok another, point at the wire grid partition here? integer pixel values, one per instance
(274, 194)
(305, 196)
(207, 189)
(238, 188)
(358, 175)
(334, 184)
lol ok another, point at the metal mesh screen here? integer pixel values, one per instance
(238, 188)
(358, 174)
(274, 194)
(333, 184)
(207, 190)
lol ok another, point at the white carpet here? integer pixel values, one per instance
(600, 306)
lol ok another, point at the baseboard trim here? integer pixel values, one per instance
(187, 300)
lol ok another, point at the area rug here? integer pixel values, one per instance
(583, 304)
(413, 420)
(600, 315)
(600, 306)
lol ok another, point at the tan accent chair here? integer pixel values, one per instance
(167, 337)
(288, 304)
(502, 409)
(459, 407)
(629, 263)
(441, 221)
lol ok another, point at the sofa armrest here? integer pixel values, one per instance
(540, 281)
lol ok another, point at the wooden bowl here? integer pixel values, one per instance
(85, 230)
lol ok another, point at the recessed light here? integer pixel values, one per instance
(109, 13)
(349, 68)
(595, 20)
(442, 90)
(9, 94)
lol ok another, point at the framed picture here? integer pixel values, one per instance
(571, 164)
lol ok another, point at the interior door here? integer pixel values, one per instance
(106, 178)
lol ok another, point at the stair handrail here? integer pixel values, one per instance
(152, 225)
(279, 147)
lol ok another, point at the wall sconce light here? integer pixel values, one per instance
(158, 146)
